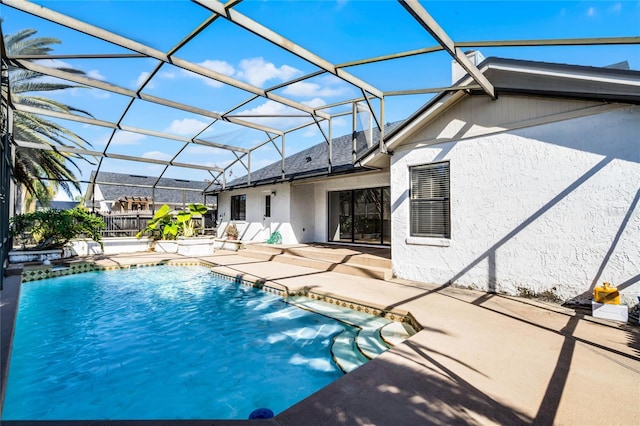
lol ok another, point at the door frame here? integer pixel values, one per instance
(352, 215)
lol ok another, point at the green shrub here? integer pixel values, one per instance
(167, 226)
(52, 229)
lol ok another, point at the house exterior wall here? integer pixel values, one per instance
(304, 210)
(550, 207)
(298, 210)
(105, 206)
(257, 228)
(316, 223)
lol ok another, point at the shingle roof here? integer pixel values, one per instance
(162, 195)
(314, 161)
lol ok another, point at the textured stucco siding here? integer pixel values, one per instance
(256, 228)
(321, 188)
(303, 213)
(298, 211)
(553, 207)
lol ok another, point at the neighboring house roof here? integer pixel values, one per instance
(519, 77)
(314, 161)
(170, 191)
(60, 205)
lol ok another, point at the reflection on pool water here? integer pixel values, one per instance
(167, 342)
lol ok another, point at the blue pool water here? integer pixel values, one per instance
(165, 342)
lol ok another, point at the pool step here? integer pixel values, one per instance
(370, 343)
(322, 265)
(345, 353)
(376, 257)
(396, 332)
(372, 336)
(363, 265)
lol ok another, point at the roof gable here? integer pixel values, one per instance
(591, 85)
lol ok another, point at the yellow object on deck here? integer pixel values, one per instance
(606, 294)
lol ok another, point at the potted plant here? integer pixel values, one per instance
(232, 231)
(43, 234)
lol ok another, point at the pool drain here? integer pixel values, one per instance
(261, 413)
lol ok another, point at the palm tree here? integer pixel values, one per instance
(40, 171)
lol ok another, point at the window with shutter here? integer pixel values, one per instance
(429, 200)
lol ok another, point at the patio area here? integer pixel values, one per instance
(479, 359)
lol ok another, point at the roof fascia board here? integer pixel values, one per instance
(575, 75)
(551, 42)
(298, 180)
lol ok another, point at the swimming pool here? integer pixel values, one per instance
(166, 342)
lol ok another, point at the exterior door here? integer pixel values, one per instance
(340, 216)
(360, 216)
(266, 215)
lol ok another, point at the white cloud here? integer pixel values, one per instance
(314, 103)
(339, 122)
(55, 63)
(186, 126)
(221, 67)
(167, 74)
(221, 164)
(591, 11)
(307, 89)
(263, 162)
(330, 86)
(198, 149)
(312, 131)
(274, 108)
(257, 71)
(124, 138)
(142, 78)
(616, 8)
(99, 94)
(157, 155)
(95, 74)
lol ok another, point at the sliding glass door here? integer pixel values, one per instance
(360, 216)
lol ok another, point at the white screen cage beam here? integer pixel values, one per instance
(428, 23)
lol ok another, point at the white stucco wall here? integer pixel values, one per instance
(553, 207)
(320, 190)
(303, 213)
(98, 198)
(257, 228)
(298, 210)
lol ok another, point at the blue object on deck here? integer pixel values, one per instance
(275, 238)
(261, 413)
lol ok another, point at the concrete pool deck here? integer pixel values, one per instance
(480, 358)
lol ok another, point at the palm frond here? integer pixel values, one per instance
(36, 169)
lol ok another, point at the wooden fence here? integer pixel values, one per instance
(125, 224)
(130, 223)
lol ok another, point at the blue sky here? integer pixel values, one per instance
(338, 31)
